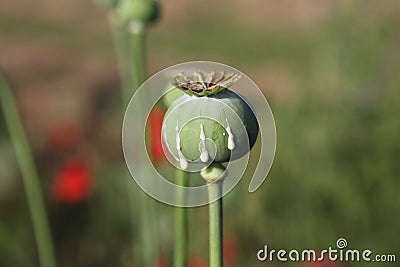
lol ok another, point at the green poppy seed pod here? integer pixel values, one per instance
(138, 10)
(209, 123)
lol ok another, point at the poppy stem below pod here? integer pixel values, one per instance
(214, 175)
(180, 257)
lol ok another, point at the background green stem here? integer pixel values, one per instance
(138, 76)
(148, 230)
(181, 223)
(122, 50)
(29, 175)
(123, 53)
(215, 224)
(137, 30)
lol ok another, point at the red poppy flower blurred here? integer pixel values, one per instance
(161, 262)
(73, 181)
(196, 262)
(231, 249)
(63, 135)
(154, 128)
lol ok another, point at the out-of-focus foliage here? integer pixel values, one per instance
(333, 87)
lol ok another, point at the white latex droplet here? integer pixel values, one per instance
(204, 153)
(231, 143)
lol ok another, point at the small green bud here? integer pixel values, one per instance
(138, 10)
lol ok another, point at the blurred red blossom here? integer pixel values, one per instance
(161, 261)
(73, 181)
(154, 128)
(230, 249)
(196, 262)
(63, 135)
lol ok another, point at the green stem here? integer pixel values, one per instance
(181, 223)
(148, 231)
(29, 175)
(214, 175)
(137, 30)
(138, 75)
(215, 224)
(122, 50)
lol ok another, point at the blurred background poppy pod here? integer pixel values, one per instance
(145, 11)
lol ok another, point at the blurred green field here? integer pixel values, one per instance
(330, 76)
